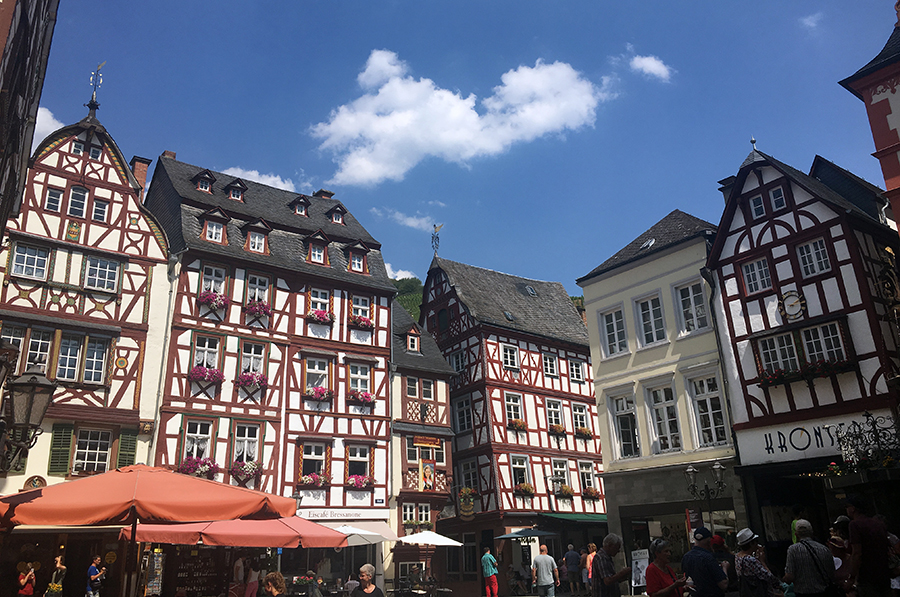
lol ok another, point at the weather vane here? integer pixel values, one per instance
(435, 239)
(96, 81)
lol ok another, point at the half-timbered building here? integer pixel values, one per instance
(523, 411)
(84, 282)
(805, 277)
(280, 342)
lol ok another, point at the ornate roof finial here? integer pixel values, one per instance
(96, 81)
(753, 140)
(435, 239)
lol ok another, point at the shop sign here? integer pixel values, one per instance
(429, 442)
(344, 514)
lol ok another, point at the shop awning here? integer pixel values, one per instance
(577, 517)
(375, 527)
(290, 531)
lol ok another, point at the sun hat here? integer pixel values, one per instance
(745, 536)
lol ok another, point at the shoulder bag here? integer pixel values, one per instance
(831, 589)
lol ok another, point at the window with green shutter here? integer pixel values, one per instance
(60, 449)
(127, 447)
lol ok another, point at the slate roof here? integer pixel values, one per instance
(889, 54)
(428, 359)
(863, 194)
(178, 205)
(675, 228)
(486, 294)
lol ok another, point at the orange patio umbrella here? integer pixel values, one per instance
(139, 493)
(291, 531)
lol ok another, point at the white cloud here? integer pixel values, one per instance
(437, 203)
(417, 222)
(400, 121)
(45, 124)
(812, 22)
(652, 67)
(272, 180)
(398, 274)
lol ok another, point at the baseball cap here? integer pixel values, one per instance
(718, 540)
(803, 526)
(701, 533)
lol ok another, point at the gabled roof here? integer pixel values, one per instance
(675, 228)
(430, 358)
(889, 55)
(863, 194)
(488, 295)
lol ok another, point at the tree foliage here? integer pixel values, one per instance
(410, 296)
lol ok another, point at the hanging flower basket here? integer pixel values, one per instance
(524, 489)
(314, 480)
(467, 493)
(320, 316)
(517, 425)
(583, 433)
(213, 300)
(363, 323)
(258, 308)
(557, 429)
(322, 394)
(245, 470)
(207, 374)
(360, 482)
(249, 379)
(364, 398)
(198, 467)
(591, 493)
(565, 492)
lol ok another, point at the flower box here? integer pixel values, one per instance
(320, 316)
(198, 467)
(245, 470)
(362, 482)
(314, 480)
(207, 374)
(258, 308)
(808, 371)
(583, 433)
(409, 524)
(426, 525)
(557, 430)
(467, 493)
(249, 379)
(213, 300)
(364, 398)
(591, 493)
(524, 489)
(565, 492)
(360, 322)
(323, 394)
(517, 425)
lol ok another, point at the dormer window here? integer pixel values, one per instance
(318, 248)
(256, 242)
(357, 262)
(236, 194)
(337, 217)
(77, 148)
(204, 181)
(316, 253)
(215, 232)
(300, 209)
(203, 185)
(235, 189)
(412, 342)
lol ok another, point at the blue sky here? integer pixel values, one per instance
(544, 135)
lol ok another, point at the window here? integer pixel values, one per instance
(693, 307)
(412, 343)
(252, 357)
(665, 419)
(316, 373)
(576, 371)
(214, 231)
(626, 426)
(67, 360)
(471, 563)
(586, 474)
(256, 242)
(513, 407)
(213, 279)
(757, 208)
(427, 389)
(206, 352)
(30, 262)
(197, 437)
(458, 361)
(337, 217)
(203, 185)
(708, 410)
(823, 343)
(257, 288)
(77, 201)
(357, 262)
(92, 451)
(409, 512)
(101, 274)
(96, 152)
(778, 353)
(246, 439)
(317, 253)
(756, 276)
(359, 377)
(776, 197)
(236, 194)
(54, 200)
(300, 209)
(813, 258)
(550, 367)
(412, 387)
(652, 326)
(318, 300)
(101, 209)
(463, 415)
(358, 460)
(77, 147)
(95, 361)
(13, 334)
(469, 474)
(424, 513)
(561, 469)
(554, 412)
(519, 467)
(613, 331)
(510, 356)
(39, 348)
(361, 306)
(415, 453)
(412, 450)
(579, 416)
(313, 459)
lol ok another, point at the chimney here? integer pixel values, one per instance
(323, 193)
(727, 184)
(139, 167)
(168, 154)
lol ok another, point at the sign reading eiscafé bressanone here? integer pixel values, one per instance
(794, 441)
(430, 442)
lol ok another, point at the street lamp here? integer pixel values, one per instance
(706, 492)
(29, 396)
(297, 497)
(555, 483)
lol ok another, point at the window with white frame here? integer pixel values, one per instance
(510, 356)
(757, 207)
(54, 200)
(665, 419)
(318, 300)
(458, 360)
(823, 343)
(813, 257)
(554, 412)
(92, 447)
(256, 242)
(101, 210)
(409, 512)
(252, 357)
(756, 276)
(316, 253)
(579, 416)
(412, 450)
(214, 231)
(693, 307)
(203, 185)
(246, 440)
(463, 415)
(357, 262)
(39, 345)
(626, 426)
(427, 389)
(77, 147)
(412, 342)
(313, 459)
(67, 361)
(300, 209)
(709, 410)
(519, 468)
(776, 198)
(316, 373)
(257, 288)
(213, 279)
(550, 364)
(778, 353)
(95, 360)
(197, 437)
(424, 513)
(101, 274)
(359, 377)
(30, 262)
(469, 474)
(613, 332)
(576, 371)
(96, 152)
(586, 474)
(652, 327)
(412, 387)
(77, 202)
(361, 306)
(337, 217)
(561, 469)
(415, 453)
(13, 334)
(206, 352)
(358, 460)
(513, 407)
(236, 194)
